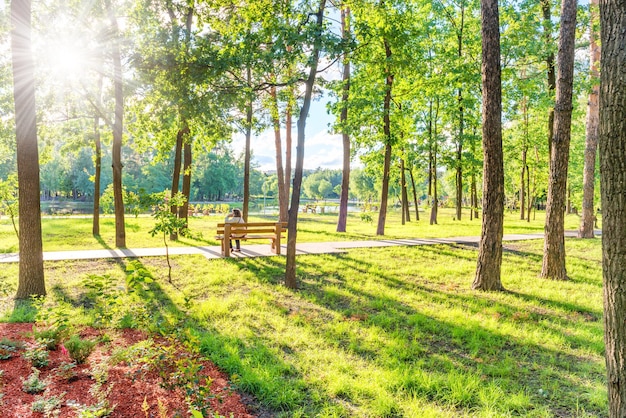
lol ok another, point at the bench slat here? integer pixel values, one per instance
(274, 228)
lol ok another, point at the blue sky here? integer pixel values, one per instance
(321, 148)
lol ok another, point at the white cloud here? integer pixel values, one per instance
(321, 148)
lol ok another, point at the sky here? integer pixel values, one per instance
(321, 148)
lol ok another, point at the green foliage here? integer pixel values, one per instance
(166, 222)
(104, 298)
(137, 276)
(32, 384)
(9, 200)
(48, 405)
(52, 322)
(366, 217)
(66, 371)
(37, 354)
(79, 349)
(9, 347)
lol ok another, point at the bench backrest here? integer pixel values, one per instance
(253, 227)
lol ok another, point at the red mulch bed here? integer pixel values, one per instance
(129, 387)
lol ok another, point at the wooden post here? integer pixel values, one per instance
(278, 231)
(226, 240)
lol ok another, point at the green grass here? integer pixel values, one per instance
(73, 232)
(385, 332)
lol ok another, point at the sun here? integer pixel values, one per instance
(65, 59)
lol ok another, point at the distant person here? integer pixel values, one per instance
(235, 218)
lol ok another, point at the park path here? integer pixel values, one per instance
(263, 250)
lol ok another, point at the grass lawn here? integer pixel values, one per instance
(384, 332)
(72, 232)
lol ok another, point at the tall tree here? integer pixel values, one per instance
(553, 266)
(292, 224)
(546, 10)
(343, 119)
(98, 170)
(591, 140)
(31, 275)
(120, 228)
(275, 115)
(389, 76)
(247, 150)
(490, 247)
(613, 192)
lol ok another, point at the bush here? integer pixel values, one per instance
(79, 349)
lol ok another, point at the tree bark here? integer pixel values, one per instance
(417, 212)
(382, 213)
(613, 190)
(522, 189)
(120, 229)
(247, 153)
(292, 223)
(183, 212)
(547, 33)
(178, 152)
(432, 135)
(553, 266)
(406, 215)
(490, 247)
(282, 199)
(591, 141)
(98, 173)
(97, 164)
(459, 144)
(343, 118)
(31, 274)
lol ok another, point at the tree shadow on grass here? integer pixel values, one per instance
(446, 345)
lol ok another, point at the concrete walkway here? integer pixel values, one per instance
(263, 250)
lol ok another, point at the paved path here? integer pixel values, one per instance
(263, 250)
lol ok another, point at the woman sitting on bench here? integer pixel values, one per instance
(235, 218)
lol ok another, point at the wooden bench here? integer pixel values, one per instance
(251, 230)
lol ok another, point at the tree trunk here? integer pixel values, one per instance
(490, 247)
(289, 141)
(31, 274)
(435, 207)
(522, 188)
(613, 191)
(183, 212)
(282, 199)
(292, 223)
(547, 33)
(120, 229)
(591, 141)
(417, 212)
(382, 214)
(178, 152)
(432, 134)
(474, 198)
(98, 168)
(553, 266)
(343, 118)
(247, 154)
(530, 194)
(406, 215)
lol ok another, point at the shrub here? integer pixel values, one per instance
(48, 406)
(32, 384)
(79, 349)
(8, 348)
(37, 354)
